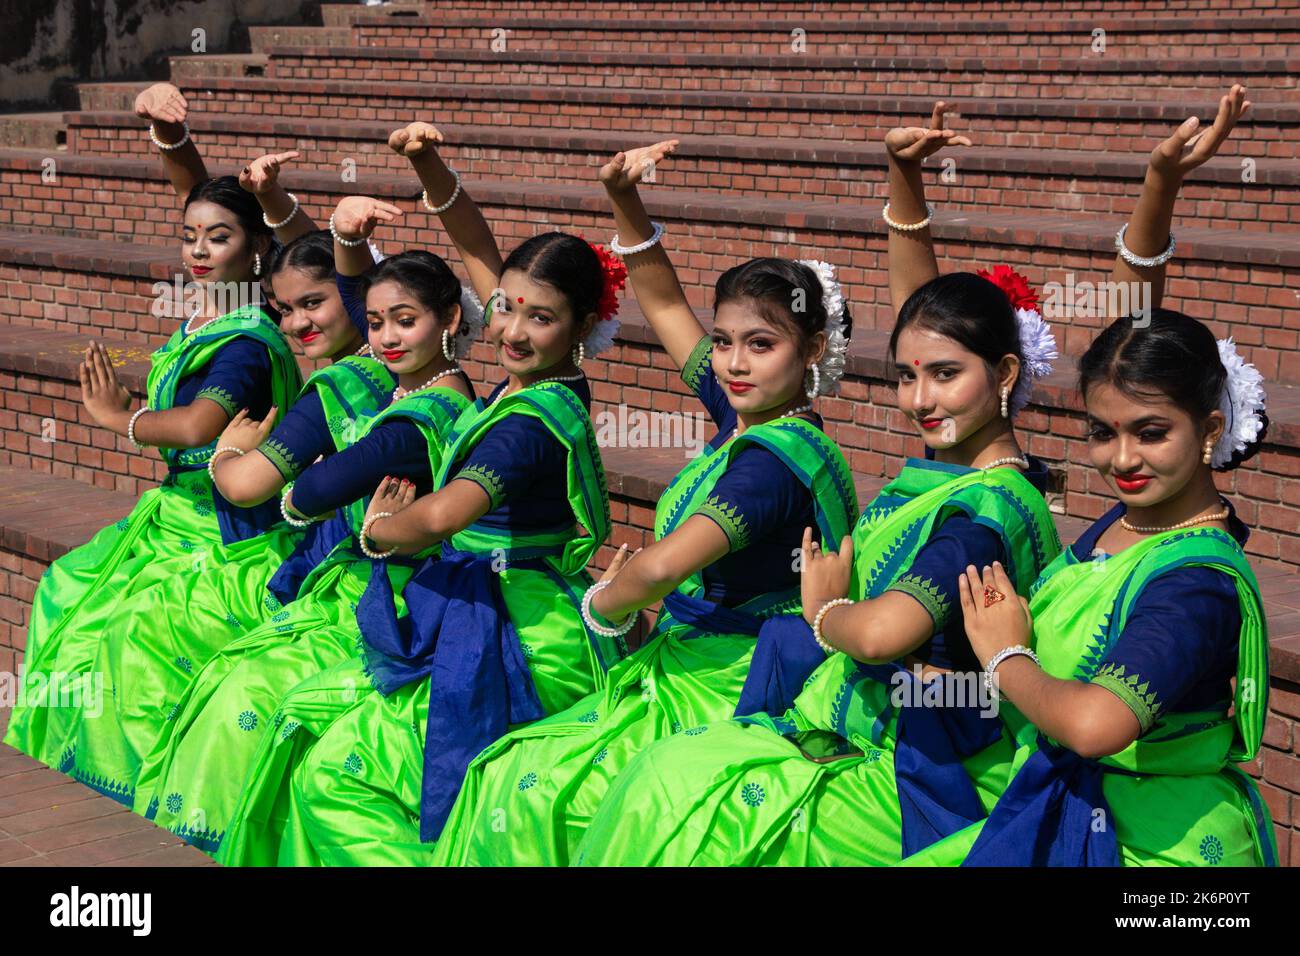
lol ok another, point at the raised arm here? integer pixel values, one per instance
(653, 278)
(261, 177)
(166, 108)
(353, 222)
(911, 251)
(1148, 232)
(462, 219)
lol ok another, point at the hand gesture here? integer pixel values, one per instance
(261, 174)
(414, 138)
(991, 627)
(824, 576)
(621, 558)
(629, 168)
(392, 495)
(245, 432)
(101, 392)
(915, 143)
(1190, 146)
(356, 216)
(162, 102)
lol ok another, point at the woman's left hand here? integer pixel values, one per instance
(1190, 145)
(104, 396)
(824, 575)
(247, 433)
(1005, 623)
(393, 495)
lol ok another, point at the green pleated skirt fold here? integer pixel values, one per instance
(528, 799)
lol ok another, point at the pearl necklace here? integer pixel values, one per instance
(1021, 460)
(553, 378)
(794, 411)
(400, 393)
(1213, 516)
(189, 330)
(364, 350)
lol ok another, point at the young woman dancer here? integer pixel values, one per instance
(869, 766)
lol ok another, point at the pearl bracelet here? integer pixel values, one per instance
(1018, 650)
(130, 426)
(365, 531)
(349, 243)
(1134, 259)
(212, 459)
(621, 250)
(817, 622)
(284, 511)
(588, 615)
(907, 226)
(455, 194)
(168, 147)
(287, 219)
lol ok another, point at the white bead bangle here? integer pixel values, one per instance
(821, 615)
(365, 532)
(1134, 259)
(1018, 650)
(349, 243)
(588, 615)
(287, 219)
(907, 226)
(130, 426)
(455, 194)
(621, 250)
(284, 511)
(168, 147)
(212, 459)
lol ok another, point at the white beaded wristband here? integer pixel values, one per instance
(590, 618)
(220, 450)
(130, 426)
(168, 147)
(455, 194)
(821, 615)
(1142, 262)
(284, 511)
(621, 250)
(287, 219)
(907, 226)
(1018, 650)
(365, 531)
(349, 243)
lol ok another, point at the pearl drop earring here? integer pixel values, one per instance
(448, 352)
(816, 383)
(1005, 392)
(579, 354)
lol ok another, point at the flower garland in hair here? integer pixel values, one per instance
(607, 325)
(1241, 402)
(472, 320)
(1037, 343)
(832, 362)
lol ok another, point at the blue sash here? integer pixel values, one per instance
(458, 633)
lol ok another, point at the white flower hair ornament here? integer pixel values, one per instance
(471, 322)
(1037, 343)
(831, 366)
(1241, 402)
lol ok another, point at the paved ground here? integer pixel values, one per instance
(47, 819)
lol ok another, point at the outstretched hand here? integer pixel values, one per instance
(915, 143)
(162, 102)
(357, 216)
(414, 138)
(627, 169)
(261, 174)
(1190, 145)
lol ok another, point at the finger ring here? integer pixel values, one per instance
(992, 596)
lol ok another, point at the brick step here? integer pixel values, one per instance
(47, 131)
(725, 11)
(1231, 278)
(1124, 36)
(219, 64)
(985, 178)
(1070, 78)
(43, 353)
(1118, 125)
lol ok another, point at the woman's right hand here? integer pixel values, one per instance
(414, 138)
(627, 169)
(1190, 146)
(245, 432)
(162, 102)
(912, 144)
(261, 175)
(356, 216)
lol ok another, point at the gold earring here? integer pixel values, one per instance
(1209, 451)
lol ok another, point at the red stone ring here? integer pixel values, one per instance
(992, 596)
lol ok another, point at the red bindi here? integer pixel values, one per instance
(521, 300)
(916, 361)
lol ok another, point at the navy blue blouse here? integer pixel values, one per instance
(932, 579)
(757, 502)
(1178, 649)
(353, 301)
(524, 471)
